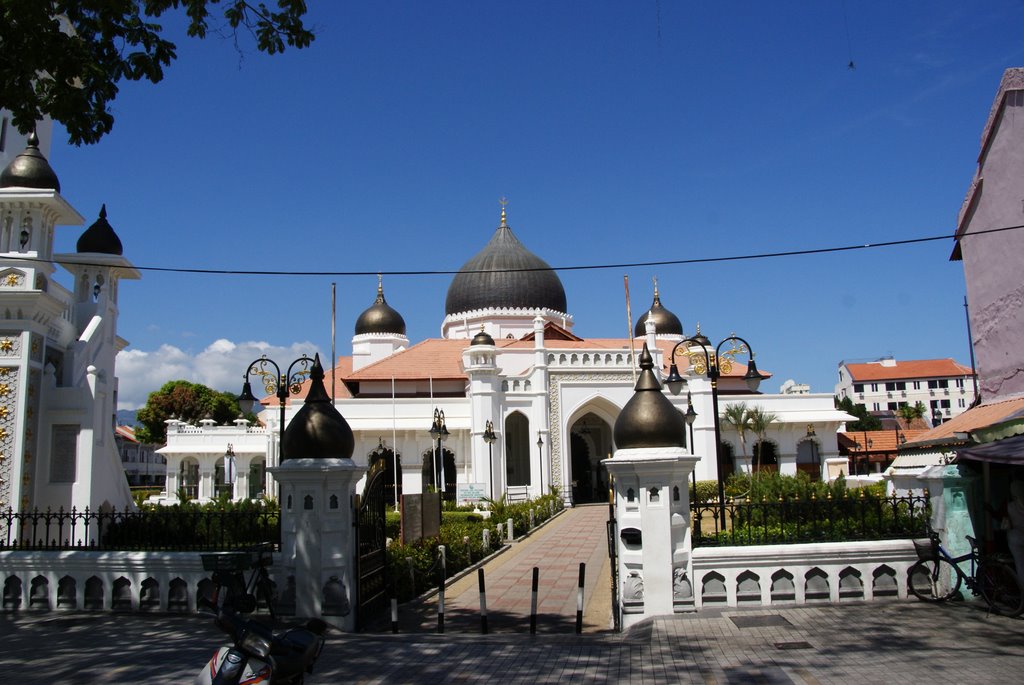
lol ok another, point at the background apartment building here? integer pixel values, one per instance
(945, 387)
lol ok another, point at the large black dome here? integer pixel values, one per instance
(380, 317)
(505, 275)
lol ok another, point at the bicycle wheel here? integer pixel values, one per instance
(1001, 588)
(935, 580)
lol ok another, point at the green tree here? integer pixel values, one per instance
(865, 420)
(738, 416)
(186, 401)
(759, 420)
(65, 58)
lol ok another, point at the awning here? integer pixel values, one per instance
(1005, 451)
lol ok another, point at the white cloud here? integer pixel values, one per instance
(221, 366)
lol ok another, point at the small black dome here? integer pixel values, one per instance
(665, 322)
(701, 338)
(505, 275)
(318, 430)
(482, 338)
(380, 317)
(649, 419)
(100, 237)
(30, 169)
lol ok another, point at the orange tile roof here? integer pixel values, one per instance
(436, 358)
(912, 368)
(972, 419)
(881, 440)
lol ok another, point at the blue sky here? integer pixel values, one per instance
(619, 132)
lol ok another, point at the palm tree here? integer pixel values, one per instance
(738, 416)
(909, 413)
(759, 420)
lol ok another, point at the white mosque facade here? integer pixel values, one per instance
(509, 367)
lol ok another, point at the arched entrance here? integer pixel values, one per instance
(392, 472)
(808, 459)
(257, 477)
(766, 456)
(590, 442)
(188, 478)
(728, 464)
(430, 472)
(517, 450)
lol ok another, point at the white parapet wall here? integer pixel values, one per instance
(102, 581)
(799, 574)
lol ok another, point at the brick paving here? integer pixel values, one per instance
(878, 642)
(556, 549)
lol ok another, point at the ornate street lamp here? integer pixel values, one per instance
(714, 365)
(489, 438)
(439, 432)
(281, 385)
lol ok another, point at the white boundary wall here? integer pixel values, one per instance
(799, 574)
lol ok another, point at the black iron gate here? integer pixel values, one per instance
(371, 556)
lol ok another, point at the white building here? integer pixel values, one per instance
(944, 387)
(58, 391)
(508, 357)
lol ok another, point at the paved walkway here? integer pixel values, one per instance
(882, 642)
(575, 536)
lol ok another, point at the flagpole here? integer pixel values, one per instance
(629, 330)
(334, 318)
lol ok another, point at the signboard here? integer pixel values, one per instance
(471, 492)
(421, 516)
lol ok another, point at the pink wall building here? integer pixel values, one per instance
(992, 261)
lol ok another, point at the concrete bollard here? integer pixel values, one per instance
(487, 539)
(533, 523)
(511, 536)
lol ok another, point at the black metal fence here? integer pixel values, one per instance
(789, 521)
(165, 529)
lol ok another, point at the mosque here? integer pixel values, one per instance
(507, 402)
(518, 404)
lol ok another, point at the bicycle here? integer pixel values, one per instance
(937, 576)
(229, 584)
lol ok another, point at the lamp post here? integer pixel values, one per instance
(714, 366)
(540, 460)
(691, 416)
(489, 438)
(281, 385)
(229, 467)
(439, 431)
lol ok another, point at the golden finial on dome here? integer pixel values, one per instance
(503, 201)
(655, 286)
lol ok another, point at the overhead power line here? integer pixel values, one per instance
(570, 267)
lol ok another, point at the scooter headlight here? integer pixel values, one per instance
(257, 644)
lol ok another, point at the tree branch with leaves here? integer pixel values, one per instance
(65, 58)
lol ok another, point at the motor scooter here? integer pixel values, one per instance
(255, 654)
